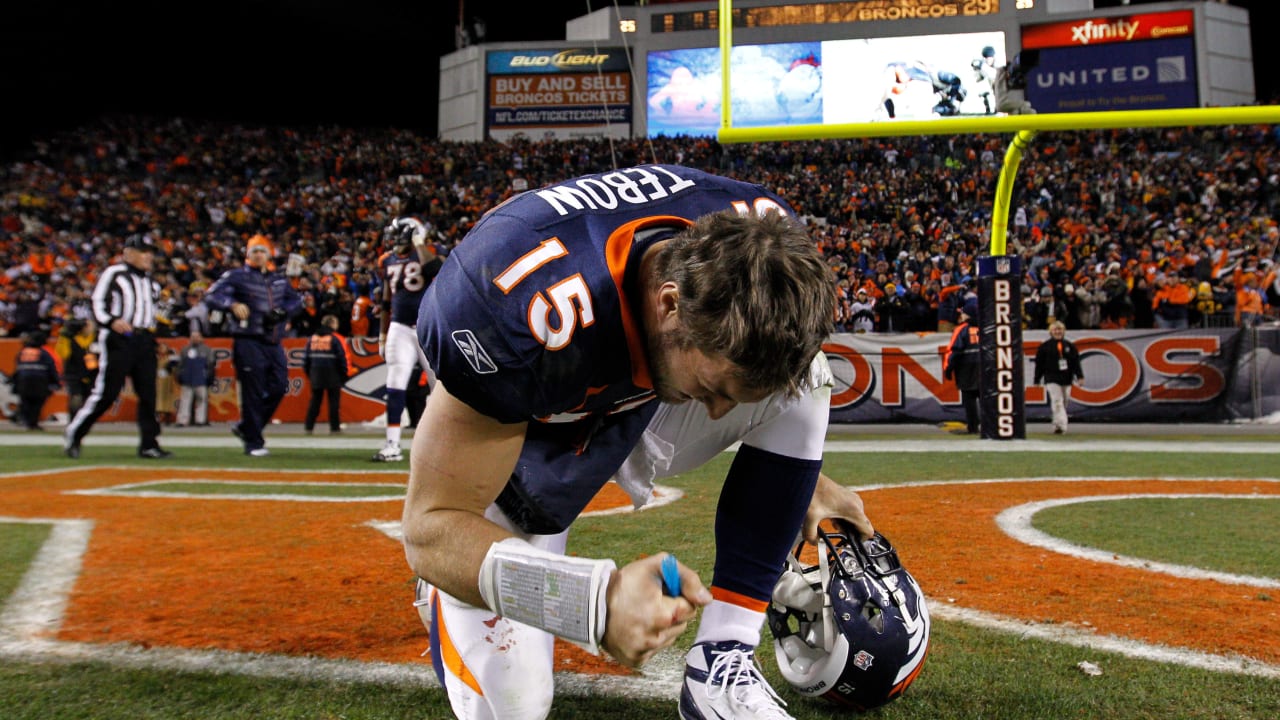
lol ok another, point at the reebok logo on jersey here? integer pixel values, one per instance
(473, 352)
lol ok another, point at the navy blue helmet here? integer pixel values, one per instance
(852, 629)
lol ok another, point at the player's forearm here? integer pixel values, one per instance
(447, 547)
(459, 462)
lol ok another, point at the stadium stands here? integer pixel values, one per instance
(1114, 227)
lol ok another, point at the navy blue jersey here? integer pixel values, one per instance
(531, 319)
(405, 280)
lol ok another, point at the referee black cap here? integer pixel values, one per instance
(140, 242)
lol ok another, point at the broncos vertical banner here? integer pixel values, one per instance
(1002, 400)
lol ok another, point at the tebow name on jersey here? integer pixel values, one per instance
(605, 191)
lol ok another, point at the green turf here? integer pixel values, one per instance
(19, 543)
(1228, 535)
(970, 673)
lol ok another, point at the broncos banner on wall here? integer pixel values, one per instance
(1204, 375)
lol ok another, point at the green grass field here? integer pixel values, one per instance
(971, 672)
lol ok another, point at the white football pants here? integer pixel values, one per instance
(495, 669)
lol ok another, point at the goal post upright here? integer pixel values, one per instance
(1004, 190)
(725, 26)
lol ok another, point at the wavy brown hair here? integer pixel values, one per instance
(753, 289)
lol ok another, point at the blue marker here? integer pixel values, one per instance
(670, 576)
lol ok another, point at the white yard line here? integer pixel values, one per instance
(35, 611)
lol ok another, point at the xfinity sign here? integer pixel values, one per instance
(1090, 31)
(1102, 30)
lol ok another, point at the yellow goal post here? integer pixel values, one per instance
(1002, 399)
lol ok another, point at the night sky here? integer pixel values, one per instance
(366, 63)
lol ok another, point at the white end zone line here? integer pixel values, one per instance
(39, 603)
(1105, 643)
(35, 611)
(1016, 523)
(1082, 638)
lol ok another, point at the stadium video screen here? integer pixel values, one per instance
(836, 81)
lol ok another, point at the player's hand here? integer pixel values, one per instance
(382, 346)
(831, 500)
(240, 311)
(641, 619)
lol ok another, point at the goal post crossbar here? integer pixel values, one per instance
(1111, 119)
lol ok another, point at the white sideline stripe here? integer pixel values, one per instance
(1055, 478)
(38, 604)
(1016, 523)
(872, 443)
(244, 469)
(996, 446)
(1105, 643)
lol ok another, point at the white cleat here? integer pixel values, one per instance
(722, 680)
(389, 453)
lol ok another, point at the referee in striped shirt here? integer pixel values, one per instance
(124, 304)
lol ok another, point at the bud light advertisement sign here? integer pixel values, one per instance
(1147, 75)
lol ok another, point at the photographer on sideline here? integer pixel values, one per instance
(260, 301)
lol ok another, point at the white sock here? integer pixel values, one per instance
(393, 435)
(724, 621)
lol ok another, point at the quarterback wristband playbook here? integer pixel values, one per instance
(564, 596)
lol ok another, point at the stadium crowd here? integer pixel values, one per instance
(1125, 228)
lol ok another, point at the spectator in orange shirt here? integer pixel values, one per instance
(1172, 302)
(362, 313)
(1250, 305)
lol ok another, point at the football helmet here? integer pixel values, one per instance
(854, 628)
(404, 232)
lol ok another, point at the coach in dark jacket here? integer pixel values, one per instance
(35, 377)
(260, 301)
(328, 365)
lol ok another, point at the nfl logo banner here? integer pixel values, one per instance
(1002, 397)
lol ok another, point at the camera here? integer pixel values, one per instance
(273, 317)
(1021, 64)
